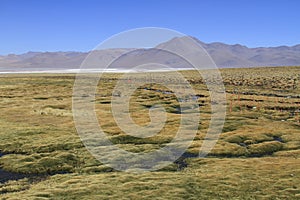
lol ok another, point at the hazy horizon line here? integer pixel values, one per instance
(87, 51)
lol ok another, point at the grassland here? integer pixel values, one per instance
(256, 157)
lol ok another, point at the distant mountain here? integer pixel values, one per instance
(224, 55)
(237, 55)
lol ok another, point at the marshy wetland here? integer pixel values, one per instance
(256, 157)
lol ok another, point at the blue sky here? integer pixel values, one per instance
(65, 25)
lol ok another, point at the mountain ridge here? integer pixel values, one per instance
(224, 55)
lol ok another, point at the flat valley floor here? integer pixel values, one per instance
(257, 155)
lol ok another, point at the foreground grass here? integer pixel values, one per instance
(268, 178)
(257, 155)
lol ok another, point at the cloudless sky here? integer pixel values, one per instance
(73, 25)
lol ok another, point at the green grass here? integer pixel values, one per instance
(256, 157)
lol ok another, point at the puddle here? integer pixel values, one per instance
(181, 162)
(9, 176)
(278, 139)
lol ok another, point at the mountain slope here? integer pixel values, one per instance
(237, 55)
(224, 55)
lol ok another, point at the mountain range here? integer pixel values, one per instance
(224, 55)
